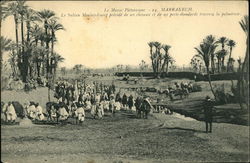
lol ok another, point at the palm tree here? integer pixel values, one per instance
(22, 9)
(13, 59)
(78, 68)
(151, 44)
(157, 56)
(12, 9)
(58, 59)
(54, 26)
(223, 41)
(243, 81)
(37, 33)
(231, 64)
(3, 12)
(5, 46)
(245, 27)
(211, 40)
(39, 54)
(231, 44)
(45, 15)
(30, 17)
(166, 57)
(142, 65)
(220, 54)
(205, 49)
(170, 62)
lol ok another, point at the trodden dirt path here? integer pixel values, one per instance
(124, 138)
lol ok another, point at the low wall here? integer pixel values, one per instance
(187, 75)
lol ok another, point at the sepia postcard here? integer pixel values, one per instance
(124, 81)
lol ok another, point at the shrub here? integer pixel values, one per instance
(224, 97)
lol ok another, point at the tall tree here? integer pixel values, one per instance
(12, 10)
(30, 17)
(231, 44)
(77, 68)
(220, 54)
(211, 40)
(5, 46)
(45, 15)
(58, 59)
(243, 81)
(36, 33)
(13, 59)
(3, 12)
(167, 58)
(157, 57)
(151, 45)
(38, 57)
(54, 26)
(223, 41)
(22, 9)
(142, 65)
(205, 49)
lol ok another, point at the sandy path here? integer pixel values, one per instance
(161, 138)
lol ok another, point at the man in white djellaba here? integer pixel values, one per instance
(80, 113)
(31, 111)
(10, 113)
(39, 112)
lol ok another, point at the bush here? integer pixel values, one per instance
(224, 97)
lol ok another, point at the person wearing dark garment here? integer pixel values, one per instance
(130, 102)
(67, 96)
(208, 113)
(146, 107)
(118, 97)
(125, 101)
(138, 104)
(80, 98)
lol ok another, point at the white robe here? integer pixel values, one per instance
(39, 113)
(117, 106)
(80, 114)
(31, 111)
(11, 113)
(63, 113)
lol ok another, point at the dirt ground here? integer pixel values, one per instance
(124, 138)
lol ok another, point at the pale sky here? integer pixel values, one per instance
(106, 42)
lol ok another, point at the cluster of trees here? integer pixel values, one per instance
(33, 55)
(197, 64)
(207, 51)
(217, 57)
(143, 66)
(77, 69)
(160, 57)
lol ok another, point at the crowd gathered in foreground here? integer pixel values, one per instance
(73, 100)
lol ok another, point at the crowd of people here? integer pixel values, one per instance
(74, 99)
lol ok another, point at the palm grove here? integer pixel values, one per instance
(211, 54)
(210, 48)
(33, 54)
(160, 57)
